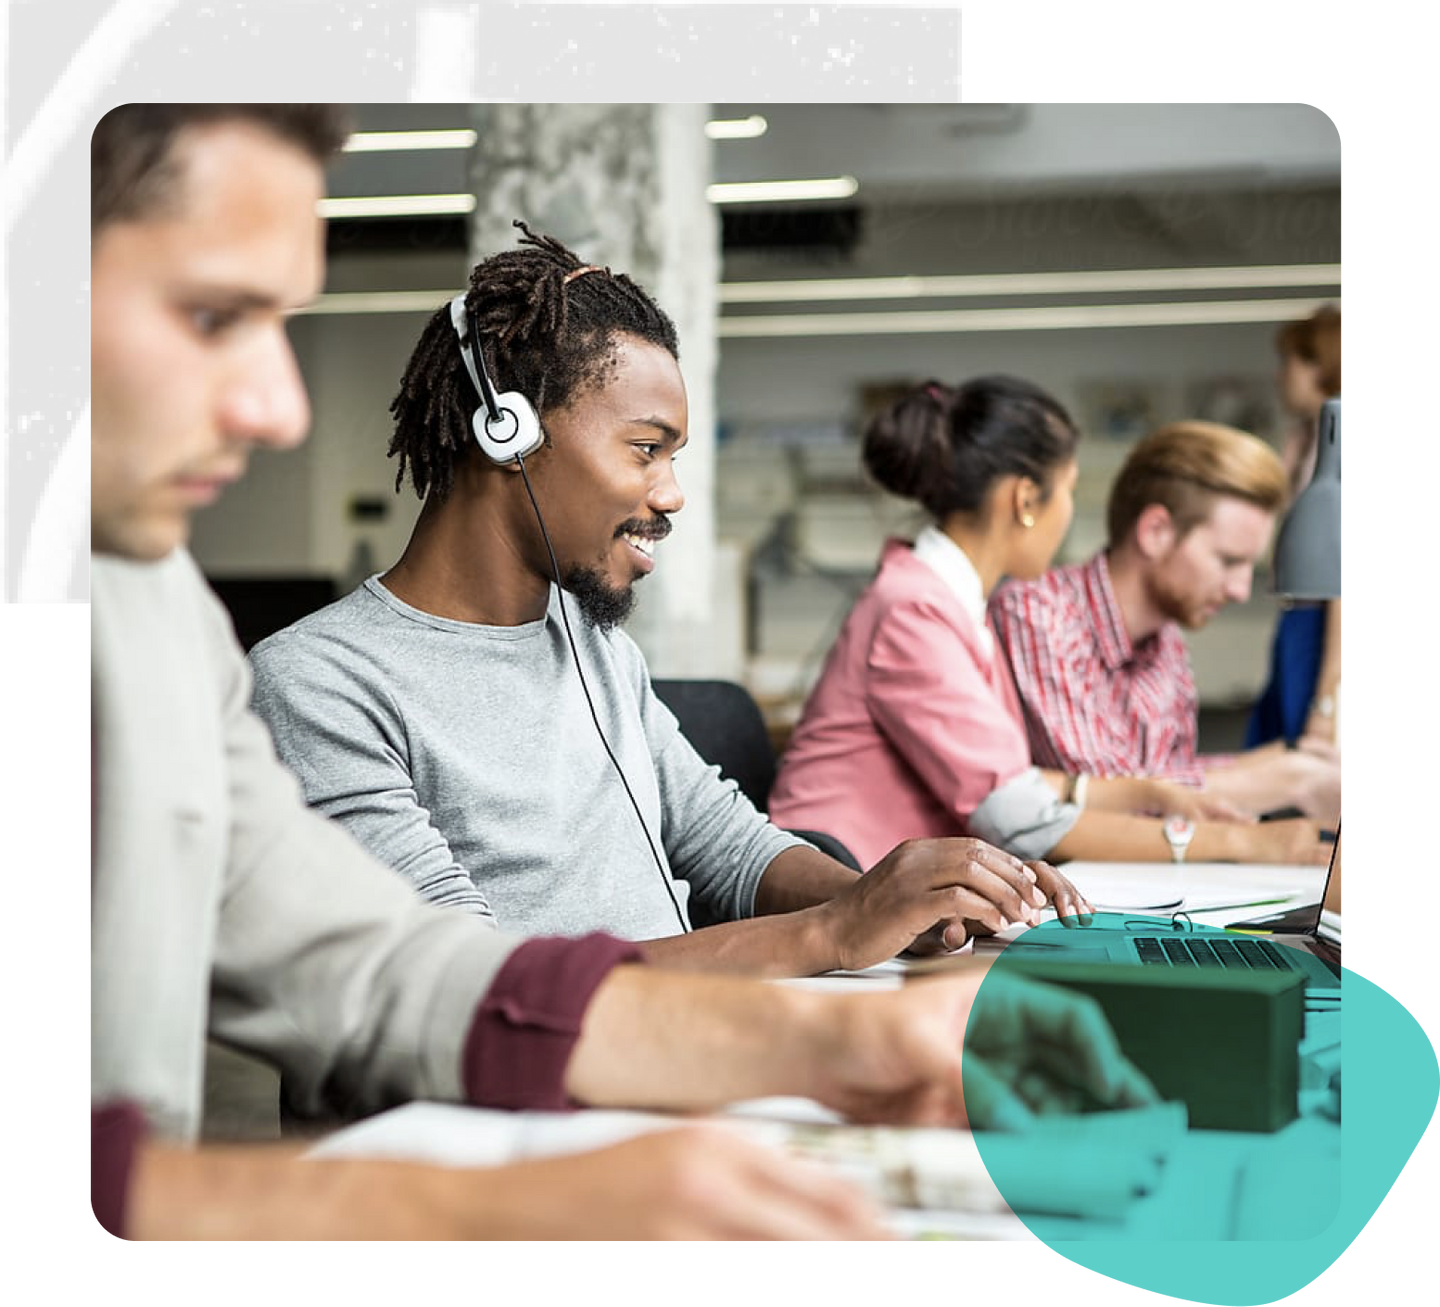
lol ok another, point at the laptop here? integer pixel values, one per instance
(1304, 940)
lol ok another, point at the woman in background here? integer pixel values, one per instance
(1300, 699)
(914, 728)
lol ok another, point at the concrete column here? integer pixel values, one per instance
(624, 186)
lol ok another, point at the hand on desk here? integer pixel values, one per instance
(929, 896)
(1273, 777)
(1293, 840)
(698, 1182)
(1033, 1049)
(951, 1051)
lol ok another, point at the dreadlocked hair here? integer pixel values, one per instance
(542, 335)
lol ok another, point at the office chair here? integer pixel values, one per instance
(727, 729)
(261, 605)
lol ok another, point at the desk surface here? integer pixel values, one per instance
(1214, 1184)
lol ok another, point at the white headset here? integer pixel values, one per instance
(506, 426)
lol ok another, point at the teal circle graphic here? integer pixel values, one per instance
(1248, 1180)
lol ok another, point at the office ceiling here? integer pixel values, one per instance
(963, 187)
(949, 150)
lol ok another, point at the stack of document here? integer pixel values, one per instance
(1092, 1166)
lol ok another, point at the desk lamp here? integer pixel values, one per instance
(1307, 553)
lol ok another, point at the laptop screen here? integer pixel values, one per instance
(1328, 926)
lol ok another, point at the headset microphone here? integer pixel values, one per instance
(506, 426)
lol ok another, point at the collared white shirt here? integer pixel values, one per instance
(953, 566)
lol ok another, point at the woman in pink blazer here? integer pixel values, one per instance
(914, 728)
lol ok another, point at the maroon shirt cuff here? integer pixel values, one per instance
(526, 1025)
(116, 1130)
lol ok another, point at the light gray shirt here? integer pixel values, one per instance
(466, 758)
(219, 905)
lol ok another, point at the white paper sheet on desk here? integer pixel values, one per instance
(451, 1134)
(1093, 1165)
(1153, 889)
(906, 1167)
(1200, 886)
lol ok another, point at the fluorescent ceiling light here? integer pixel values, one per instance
(736, 129)
(1050, 318)
(817, 188)
(378, 301)
(460, 138)
(1031, 283)
(394, 206)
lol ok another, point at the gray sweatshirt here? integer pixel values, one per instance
(465, 757)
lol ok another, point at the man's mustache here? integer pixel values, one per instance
(655, 528)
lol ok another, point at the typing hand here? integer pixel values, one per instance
(1072, 907)
(929, 896)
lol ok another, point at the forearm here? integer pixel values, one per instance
(786, 944)
(663, 1039)
(787, 936)
(1259, 781)
(1127, 794)
(1110, 837)
(800, 877)
(1118, 837)
(271, 1192)
(1320, 720)
(1328, 681)
(1260, 756)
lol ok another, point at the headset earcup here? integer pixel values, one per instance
(514, 434)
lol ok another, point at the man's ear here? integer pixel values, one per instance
(540, 454)
(1155, 531)
(536, 455)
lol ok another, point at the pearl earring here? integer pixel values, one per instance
(1027, 520)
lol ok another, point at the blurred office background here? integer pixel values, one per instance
(1135, 260)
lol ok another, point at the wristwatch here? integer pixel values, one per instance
(1179, 831)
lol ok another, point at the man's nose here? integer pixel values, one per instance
(666, 495)
(266, 403)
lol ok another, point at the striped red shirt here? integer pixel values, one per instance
(1093, 701)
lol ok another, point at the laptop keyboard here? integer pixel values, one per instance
(1200, 951)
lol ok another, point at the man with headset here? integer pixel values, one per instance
(515, 763)
(221, 905)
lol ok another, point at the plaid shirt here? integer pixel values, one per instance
(1093, 701)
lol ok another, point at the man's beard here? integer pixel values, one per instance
(602, 606)
(1180, 608)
